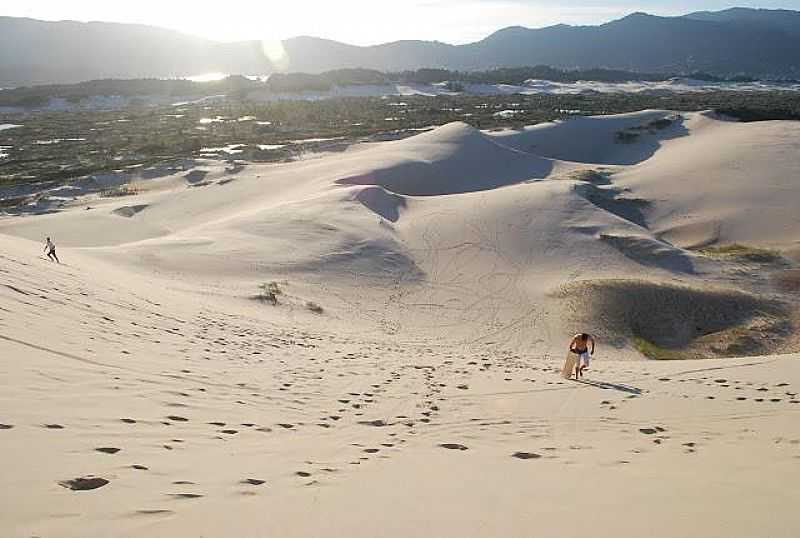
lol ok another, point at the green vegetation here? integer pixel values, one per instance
(761, 114)
(298, 82)
(653, 351)
(744, 253)
(121, 190)
(631, 135)
(788, 280)
(269, 293)
(56, 147)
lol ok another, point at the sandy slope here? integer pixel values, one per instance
(451, 267)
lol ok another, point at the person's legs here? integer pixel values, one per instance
(56, 257)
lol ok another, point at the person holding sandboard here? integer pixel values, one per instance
(578, 356)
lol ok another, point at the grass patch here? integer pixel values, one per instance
(745, 253)
(788, 280)
(653, 351)
(122, 190)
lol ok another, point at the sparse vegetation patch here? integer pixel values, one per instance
(653, 351)
(667, 321)
(743, 253)
(314, 307)
(270, 292)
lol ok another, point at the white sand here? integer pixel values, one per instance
(438, 262)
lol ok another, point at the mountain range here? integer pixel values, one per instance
(757, 42)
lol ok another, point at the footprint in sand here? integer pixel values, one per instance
(108, 450)
(229, 432)
(453, 446)
(525, 455)
(176, 418)
(6, 426)
(85, 483)
(154, 512)
(54, 426)
(303, 474)
(185, 495)
(377, 423)
(127, 420)
(140, 467)
(253, 482)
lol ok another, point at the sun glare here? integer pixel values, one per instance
(275, 53)
(207, 77)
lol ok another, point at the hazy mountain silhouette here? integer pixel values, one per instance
(39, 52)
(739, 40)
(780, 19)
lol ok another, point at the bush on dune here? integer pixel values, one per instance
(269, 293)
(744, 253)
(668, 321)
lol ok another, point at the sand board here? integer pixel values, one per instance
(569, 365)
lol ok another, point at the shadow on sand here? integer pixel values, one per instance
(614, 386)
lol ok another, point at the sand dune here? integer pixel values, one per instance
(595, 139)
(461, 229)
(453, 159)
(369, 344)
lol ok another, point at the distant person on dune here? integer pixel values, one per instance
(50, 248)
(580, 346)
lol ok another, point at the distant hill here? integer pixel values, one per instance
(757, 42)
(39, 52)
(784, 20)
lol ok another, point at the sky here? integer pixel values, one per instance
(359, 22)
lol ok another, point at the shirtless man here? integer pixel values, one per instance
(50, 248)
(580, 346)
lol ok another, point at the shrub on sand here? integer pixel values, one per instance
(652, 351)
(270, 292)
(314, 307)
(788, 280)
(744, 253)
(122, 190)
(668, 321)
